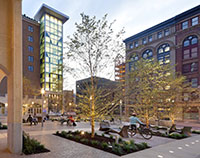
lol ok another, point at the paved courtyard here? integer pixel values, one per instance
(63, 148)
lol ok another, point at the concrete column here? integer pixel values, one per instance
(15, 77)
(199, 113)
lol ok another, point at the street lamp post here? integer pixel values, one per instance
(120, 110)
(42, 92)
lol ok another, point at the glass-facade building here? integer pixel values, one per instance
(51, 48)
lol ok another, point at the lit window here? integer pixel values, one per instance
(30, 68)
(30, 58)
(150, 38)
(166, 32)
(30, 38)
(195, 21)
(30, 48)
(30, 28)
(159, 34)
(144, 41)
(185, 25)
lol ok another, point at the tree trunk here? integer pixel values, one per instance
(92, 108)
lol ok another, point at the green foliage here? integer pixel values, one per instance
(77, 132)
(132, 142)
(95, 142)
(69, 136)
(120, 140)
(152, 87)
(104, 145)
(177, 136)
(77, 137)
(31, 146)
(117, 149)
(57, 132)
(63, 133)
(102, 134)
(111, 137)
(196, 132)
(3, 126)
(145, 145)
(84, 140)
(140, 146)
(93, 46)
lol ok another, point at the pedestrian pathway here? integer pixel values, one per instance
(63, 148)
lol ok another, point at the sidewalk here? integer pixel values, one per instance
(63, 148)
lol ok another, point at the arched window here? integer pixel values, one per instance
(147, 54)
(133, 59)
(163, 54)
(190, 47)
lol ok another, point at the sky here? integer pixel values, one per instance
(132, 15)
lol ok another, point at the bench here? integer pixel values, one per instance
(104, 126)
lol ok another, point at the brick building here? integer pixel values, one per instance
(174, 41)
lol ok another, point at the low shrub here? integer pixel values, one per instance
(84, 140)
(32, 146)
(3, 126)
(57, 133)
(196, 132)
(117, 149)
(177, 136)
(140, 146)
(63, 134)
(77, 138)
(95, 142)
(104, 145)
(102, 135)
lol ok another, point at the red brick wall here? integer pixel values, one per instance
(34, 76)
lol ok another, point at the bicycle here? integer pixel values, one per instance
(145, 132)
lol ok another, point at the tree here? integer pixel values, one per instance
(151, 86)
(106, 98)
(28, 88)
(94, 47)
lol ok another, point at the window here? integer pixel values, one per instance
(144, 41)
(195, 21)
(190, 47)
(166, 32)
(163, 54)
(30, 38)
(159, 34)
(147, 54)
(185, 25)
(136, 44)
(30, 58)
(30, 28)
(30, 48)
(150, 38)
(192, 67)
(30, 68)
(194, 82)
(131, 46)
(133, 59)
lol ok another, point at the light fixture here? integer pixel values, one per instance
(82, 132)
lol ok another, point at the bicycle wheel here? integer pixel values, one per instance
(131, 132)
(146, 133)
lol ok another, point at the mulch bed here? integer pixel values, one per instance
(100, 139)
